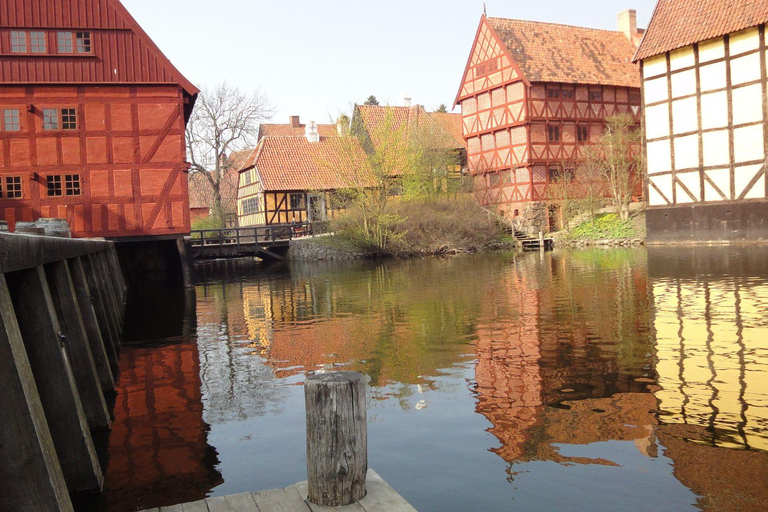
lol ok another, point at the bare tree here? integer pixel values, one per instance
(590, 177)
(620, 159)
(225, 120)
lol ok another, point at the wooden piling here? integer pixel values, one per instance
(114, 307)
(337, 438)
(76, 341)
(104, 354)
(100, 305)
(31, 478)
(40, 331)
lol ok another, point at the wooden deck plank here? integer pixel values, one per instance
(195, 506)
(242, 502)
(381, 497)
(281, 500)
(219, 504)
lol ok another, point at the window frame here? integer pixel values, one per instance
(553, 133)
(582, 129)
(14, 185)
(66, 122)
(17, 124)
(15, 46)
(54, 186)
(72, 185)
(251, 206)
(553, 93)
(74, 42)
(302, 203)
(34, 37)
(595, 95)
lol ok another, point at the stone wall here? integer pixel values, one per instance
(320, 249)
(532, 218)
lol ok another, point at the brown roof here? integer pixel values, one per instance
(200, 191)
(451, 123)
(294, 163)
(287, 130)
(415, 119)
(679, 23)
(548, 52)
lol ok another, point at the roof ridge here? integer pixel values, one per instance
(557, 24)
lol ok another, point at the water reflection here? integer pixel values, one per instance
(632, 375)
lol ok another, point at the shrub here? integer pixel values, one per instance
(604, 226)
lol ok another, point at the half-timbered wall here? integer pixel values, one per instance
(706, 122)
(126, 148)
(250, 199)
(511, 149)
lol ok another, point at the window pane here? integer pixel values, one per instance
(11, 120)
(18, 41)
(50, 119)
(68, 119)
(65, 42)
(13, 187)
(72, 182)
(37, 42)
(54, 185)
(83, 42)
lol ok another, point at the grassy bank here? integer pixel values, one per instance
(427, 226)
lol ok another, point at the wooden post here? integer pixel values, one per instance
(30, 473)
(104, 354)
(39, 326)
(337, 438)
(100, 304)
(79, 349)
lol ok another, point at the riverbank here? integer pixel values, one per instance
(605, 230)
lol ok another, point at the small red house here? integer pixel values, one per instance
(92, 119)
(532, 95)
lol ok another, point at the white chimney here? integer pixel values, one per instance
(311, 132)
(628, 23)
(406, 101)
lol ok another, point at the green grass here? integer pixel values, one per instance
(604, 226)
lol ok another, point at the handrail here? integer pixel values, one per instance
(271, 233)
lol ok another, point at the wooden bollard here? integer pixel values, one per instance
(337, 438)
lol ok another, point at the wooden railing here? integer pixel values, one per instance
(235, 241)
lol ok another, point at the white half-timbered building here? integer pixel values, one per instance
(703, 65)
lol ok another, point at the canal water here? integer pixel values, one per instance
(578, 380)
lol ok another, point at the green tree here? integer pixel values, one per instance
(442, 109)
(371, 101)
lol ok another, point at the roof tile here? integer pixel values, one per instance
(549, 52)
(679, 23)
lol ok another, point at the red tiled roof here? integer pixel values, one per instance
(200, 191)
(548, 52)
(451, 123)
(287, 130)
(679, 23)
(294, 163)
(415, 119)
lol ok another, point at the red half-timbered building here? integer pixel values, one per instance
(92, 119)
(532, 95)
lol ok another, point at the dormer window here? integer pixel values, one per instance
(74, 42)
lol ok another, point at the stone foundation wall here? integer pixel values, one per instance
(532, 218)
(320, 249)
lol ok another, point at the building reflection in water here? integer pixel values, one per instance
(158, 449)
(711, 323)
(563, 356)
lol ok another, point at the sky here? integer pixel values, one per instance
(316, 58)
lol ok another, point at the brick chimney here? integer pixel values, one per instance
(311, 132)
(294, 120)
(406, 101)
(628, 24)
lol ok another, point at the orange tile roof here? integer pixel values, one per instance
(679, 23)
(451, 123)
(414, 118)
(548, 52)
(287, 130)
(294, 163)
(200, 191)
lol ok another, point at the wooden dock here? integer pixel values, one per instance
(380, 498)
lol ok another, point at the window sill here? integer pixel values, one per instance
(50, 55)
